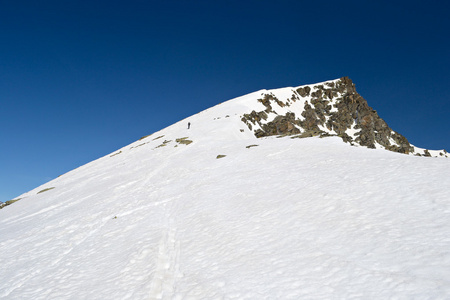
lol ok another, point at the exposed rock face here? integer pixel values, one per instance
(331, 108)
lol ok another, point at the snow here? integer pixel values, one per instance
(353, 131)
(310, 218)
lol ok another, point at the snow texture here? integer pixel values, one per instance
(163, 218)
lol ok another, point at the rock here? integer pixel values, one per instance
(254, 118)
(9, 202)
(44, 190)
(304, 92)
(281, 125)
(183, 141)
(337, 107)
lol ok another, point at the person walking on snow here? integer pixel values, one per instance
(189, 125)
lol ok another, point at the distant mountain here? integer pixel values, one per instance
(234, 203)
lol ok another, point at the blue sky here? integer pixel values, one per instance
(80, 79)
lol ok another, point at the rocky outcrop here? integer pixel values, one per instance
(281, 125)
(254, 118)
(332, 108)
(9, 202)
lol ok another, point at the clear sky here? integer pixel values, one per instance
(80, 79)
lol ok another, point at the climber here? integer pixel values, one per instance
(189, 125)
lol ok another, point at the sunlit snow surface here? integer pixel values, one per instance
(287, 219)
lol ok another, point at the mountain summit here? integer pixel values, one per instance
(324, 109)
(234, 203)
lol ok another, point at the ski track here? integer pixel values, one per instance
(167, 266)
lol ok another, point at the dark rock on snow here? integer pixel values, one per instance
(336, 106)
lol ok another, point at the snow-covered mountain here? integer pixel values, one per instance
(240, 206)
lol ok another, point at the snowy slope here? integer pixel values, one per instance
(275, 218)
